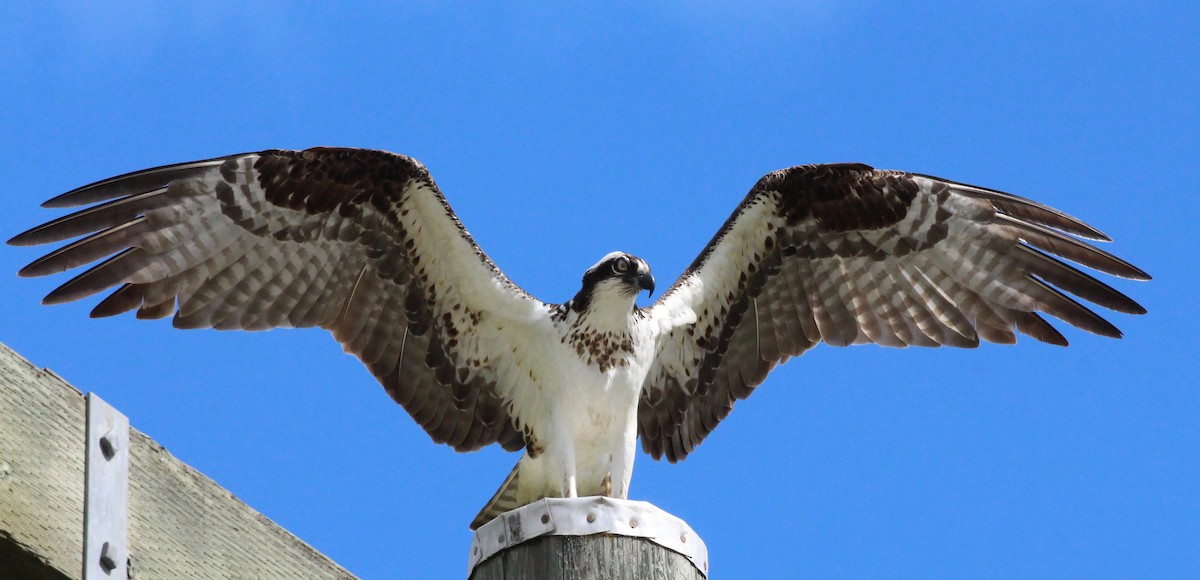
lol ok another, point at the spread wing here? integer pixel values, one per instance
(355, 241)
(847, 254)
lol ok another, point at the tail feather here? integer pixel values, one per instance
(505, 500)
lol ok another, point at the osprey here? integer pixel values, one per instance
(363, 243)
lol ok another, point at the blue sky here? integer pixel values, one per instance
(560, 134)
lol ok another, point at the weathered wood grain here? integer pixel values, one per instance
(181, 523)
(595, 557)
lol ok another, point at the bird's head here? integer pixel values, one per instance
(615, 280)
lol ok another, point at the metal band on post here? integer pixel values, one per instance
(602, 517)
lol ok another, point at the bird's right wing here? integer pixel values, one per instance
(356, 241)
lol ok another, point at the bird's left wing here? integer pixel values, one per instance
(847, 254)
(356, 241)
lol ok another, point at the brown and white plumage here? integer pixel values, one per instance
(362, 243)
(359, 242)
(847, 254)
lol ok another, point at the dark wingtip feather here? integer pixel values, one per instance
(995, 335)
(1139, 274)
(96, 279)
(56, 201)
(156, 311)
(1071, 248)
(126, 298)
(25, 238)
(1035, 212)
(86, 250)
(132, 183)
(29, 271)
(1037, 327)
(1027, 209)
(1079, 283)
(96, 218)
(1062, 306)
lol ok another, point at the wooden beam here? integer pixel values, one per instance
(181, 524)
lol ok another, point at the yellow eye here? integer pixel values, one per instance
(621, 266)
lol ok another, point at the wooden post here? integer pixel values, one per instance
(589, 538)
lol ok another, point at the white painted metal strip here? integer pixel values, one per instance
(106, 499)
(584, 516)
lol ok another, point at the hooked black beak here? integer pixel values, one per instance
(645, 281)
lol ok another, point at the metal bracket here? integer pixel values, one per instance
(584, 516)
(106, 499)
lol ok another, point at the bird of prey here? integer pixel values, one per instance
(363, 243)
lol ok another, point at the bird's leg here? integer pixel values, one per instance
(564, 459)
(567, 469)
(620, 467)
